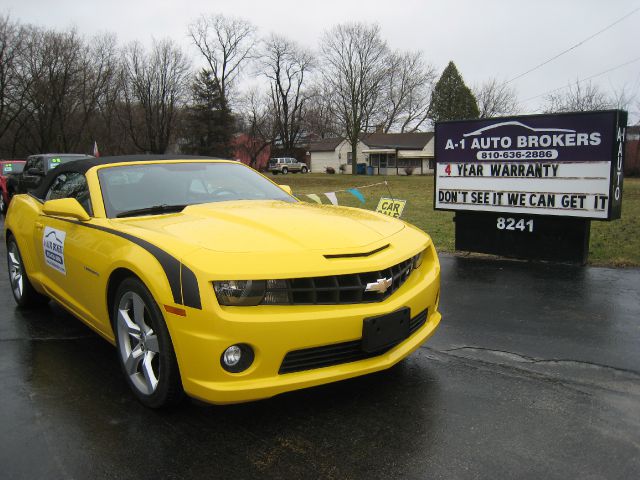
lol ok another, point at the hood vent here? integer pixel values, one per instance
(354, 255)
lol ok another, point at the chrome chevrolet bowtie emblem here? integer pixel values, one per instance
(381, 285)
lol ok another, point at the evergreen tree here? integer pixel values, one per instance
(451, 99)
(208, 124)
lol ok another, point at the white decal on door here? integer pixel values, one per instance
(53, 244)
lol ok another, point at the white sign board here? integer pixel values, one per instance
(563, 165)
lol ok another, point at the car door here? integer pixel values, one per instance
(63, 247)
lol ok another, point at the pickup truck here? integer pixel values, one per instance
(36, 167)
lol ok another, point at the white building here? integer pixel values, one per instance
(381, 153)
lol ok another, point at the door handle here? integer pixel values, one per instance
(39, 226)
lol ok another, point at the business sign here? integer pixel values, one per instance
(562, 164)
(53, 245)
(391, 207)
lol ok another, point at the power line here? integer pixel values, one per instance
(584, 79)
(575, 46)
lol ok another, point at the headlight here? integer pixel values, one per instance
(247, 293)
(240, 292)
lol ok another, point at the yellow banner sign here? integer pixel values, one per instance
(391, 207)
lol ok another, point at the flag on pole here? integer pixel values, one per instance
(332, 197)
(315, 198)
(96, 152)
(356, 193)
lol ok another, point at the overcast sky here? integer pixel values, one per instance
(489, 38)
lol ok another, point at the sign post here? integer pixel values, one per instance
(529, 186)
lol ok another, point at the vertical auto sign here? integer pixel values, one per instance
(528, 186)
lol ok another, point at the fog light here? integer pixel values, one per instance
(232, 356)
(237, 358)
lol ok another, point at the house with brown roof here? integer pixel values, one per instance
(333, 152)
(381, 153)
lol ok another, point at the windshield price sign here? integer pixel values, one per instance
(563, 164)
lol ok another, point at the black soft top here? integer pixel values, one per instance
(83, 164)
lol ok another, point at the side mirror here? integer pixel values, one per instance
(35, 171)
(65, 207)
(286, 188)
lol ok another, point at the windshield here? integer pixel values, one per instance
(12, 168)
(157, 186)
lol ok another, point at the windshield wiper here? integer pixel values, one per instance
(162, 208)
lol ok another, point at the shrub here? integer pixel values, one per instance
(408, 170)
(330, 170)
(343, 167)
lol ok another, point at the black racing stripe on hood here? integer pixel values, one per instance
(171, 266)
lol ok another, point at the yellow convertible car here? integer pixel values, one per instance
(212, 280)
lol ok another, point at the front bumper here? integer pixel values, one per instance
(273, 331)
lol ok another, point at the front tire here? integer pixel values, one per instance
(145, 350)
(23, 292)
(304, 170)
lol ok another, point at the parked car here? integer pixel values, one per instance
(7, 168)
(285, 165)
(35, 168)
(212, 280)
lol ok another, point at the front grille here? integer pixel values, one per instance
(338, 289)
(336, 354)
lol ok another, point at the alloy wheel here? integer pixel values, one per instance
(16, 271)
(138, 343)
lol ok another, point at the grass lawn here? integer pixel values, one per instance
(615, 243)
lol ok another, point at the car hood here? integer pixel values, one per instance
(265, 226)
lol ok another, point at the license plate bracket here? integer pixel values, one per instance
(383, 331)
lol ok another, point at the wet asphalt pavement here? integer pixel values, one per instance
(534, 373)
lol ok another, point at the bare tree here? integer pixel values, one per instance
(258, 124)
(12, 91)
(354, 56)
(227, 44)
(407, 91)
(496, 99)
(621, 98)
(286, 65)
(57, 84)
(319, 118)
(53, 76)
(578, 97)
(105, 97)
(155, 86)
